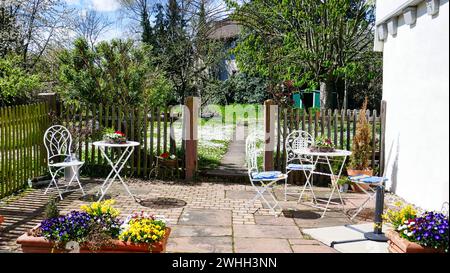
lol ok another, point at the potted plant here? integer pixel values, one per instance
(323, 144)
(168, 160)
(413, 233)
(97, 228)
(343, 183)
(114, 137)
(361, 149)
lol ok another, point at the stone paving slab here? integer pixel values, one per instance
(266, 231)
(200, 244)
(312, 249)
(261, 245)
(271, 220)
(310, 219)
(200, 231)
(207, 217)
(363, 247)
(303, 242)
(338, 234)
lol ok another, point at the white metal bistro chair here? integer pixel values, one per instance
(58, 141)
(262, 182)
(372, 181)
(297, 141)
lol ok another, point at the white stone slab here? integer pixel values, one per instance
(335, 234)
(362, 247)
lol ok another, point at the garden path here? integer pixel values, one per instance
(233, 164)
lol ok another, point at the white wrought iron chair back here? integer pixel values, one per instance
(297, 141)
(58, 142)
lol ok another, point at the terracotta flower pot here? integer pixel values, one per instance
(351, 172)
(1, 219)
(31, 244)
(397, 244)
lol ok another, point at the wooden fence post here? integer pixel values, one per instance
(269, 136)
(190, 124)
(382, 135)
(52, 101)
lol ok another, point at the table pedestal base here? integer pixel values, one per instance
(115, 172)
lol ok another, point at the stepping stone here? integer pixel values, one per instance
(207, 217)
(266, 231)
(200, 231)
(200, 244)
(261, 245)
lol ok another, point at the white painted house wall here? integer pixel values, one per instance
(416, 89)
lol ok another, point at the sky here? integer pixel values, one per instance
(112, 9)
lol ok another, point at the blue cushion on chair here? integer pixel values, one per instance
(267, 175)
(367, 179)
(300, 167)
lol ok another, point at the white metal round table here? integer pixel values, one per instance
(325, 157)
(116, 166)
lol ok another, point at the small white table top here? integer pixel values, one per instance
(336, 152)
(106, 144)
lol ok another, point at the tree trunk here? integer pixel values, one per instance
(326, 94)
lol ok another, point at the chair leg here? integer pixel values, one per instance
(371, 196)
(362, 206)
(53, 181)
(71, 179)
(285, 189)
(260, 195)
(307, 183)
(78, 180)
(276, 204)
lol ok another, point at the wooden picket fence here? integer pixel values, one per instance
(337, 125)
(150, 127)
(22, 154)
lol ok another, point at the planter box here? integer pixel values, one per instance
(31, 244)
(170, 163)
(397, 244)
